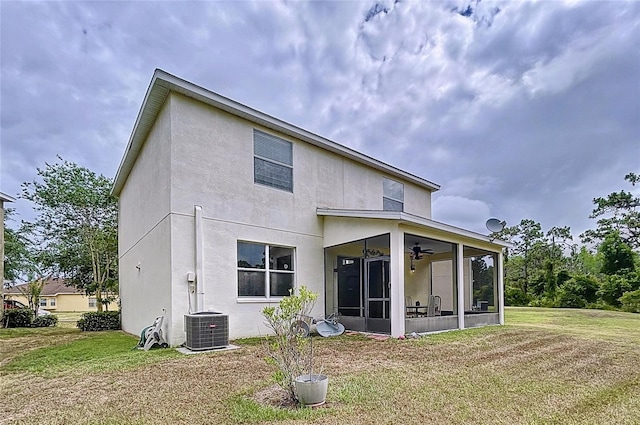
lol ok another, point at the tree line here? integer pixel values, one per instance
(550, 269)
(74, 236)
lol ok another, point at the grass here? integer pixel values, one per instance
(545, 367)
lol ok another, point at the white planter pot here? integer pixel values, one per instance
(312, 389)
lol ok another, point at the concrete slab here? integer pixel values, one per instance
(185, 350)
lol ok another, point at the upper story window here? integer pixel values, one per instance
(392, 195)
(258, 277)
(272, 161)
(43, 302)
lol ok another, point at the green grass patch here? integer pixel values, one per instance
(46, 333)
(613, 326)
(91, 352)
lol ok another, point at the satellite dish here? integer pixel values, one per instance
(494, 225)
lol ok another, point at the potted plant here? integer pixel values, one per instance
(291, 349)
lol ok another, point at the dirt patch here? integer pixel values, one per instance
(275, 396)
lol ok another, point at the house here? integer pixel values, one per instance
(3, 198)
(225, 208)
(56, 296)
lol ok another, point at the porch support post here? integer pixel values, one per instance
(460, 283)
(501, 286)
(397, 283)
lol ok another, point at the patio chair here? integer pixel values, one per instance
(434, 306)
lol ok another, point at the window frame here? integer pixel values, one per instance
(271, 161)
(386, 196)
(94, 301)
(42, 302)
(52, 302)
(267, 271)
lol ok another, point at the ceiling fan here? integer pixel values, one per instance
(418, 251)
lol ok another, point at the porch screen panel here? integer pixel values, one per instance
(349, 289)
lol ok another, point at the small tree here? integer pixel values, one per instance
(286, 348)
(32, 292)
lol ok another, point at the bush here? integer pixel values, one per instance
(286, 347)
(18, 317)
(516, 297)
(631, 301)
(568, 298)
(612, 289)
(547, 302)
(44, 321)
(100, 321)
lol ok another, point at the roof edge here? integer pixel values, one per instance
(411, 219)
(162, 83)
(6, 198)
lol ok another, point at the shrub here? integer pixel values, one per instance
(568, 298)
(613, 287)
(286, 347)
(99, 321)
(18, 317)
(44, 321)
(631, 301)
(516, 297)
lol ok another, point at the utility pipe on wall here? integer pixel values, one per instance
(199, 259)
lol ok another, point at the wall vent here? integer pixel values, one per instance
(206, 330)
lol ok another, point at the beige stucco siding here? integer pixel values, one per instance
(144, 230)
(63, 302)
(145, 279)
(220, 271)
(145, 197)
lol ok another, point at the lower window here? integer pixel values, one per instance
(258, 277)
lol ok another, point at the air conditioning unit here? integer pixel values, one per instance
(206, 330)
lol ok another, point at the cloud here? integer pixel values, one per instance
(461, 212)
(520, 109)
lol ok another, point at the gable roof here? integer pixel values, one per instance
(54, 286)
(163, 83)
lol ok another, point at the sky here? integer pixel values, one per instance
(518, 110)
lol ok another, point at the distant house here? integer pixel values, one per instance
(56, 296)
(3, 198)
(225, 208)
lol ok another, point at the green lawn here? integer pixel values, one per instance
(544, 367)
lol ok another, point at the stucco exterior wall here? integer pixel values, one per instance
(145, 279)
(71, 302)
(145, 197)
(144, 231)
(63, 302)
(219, 278)
(212, 162)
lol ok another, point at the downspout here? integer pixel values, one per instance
(199, 259)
